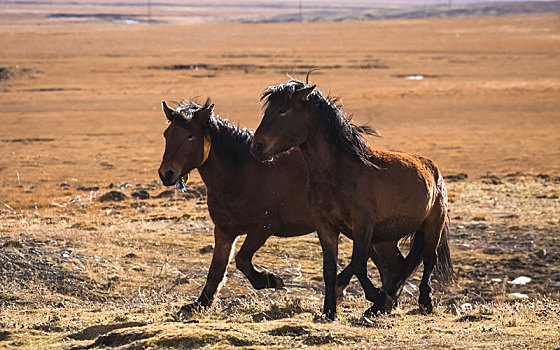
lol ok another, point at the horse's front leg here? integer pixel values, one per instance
(329, 243)
(344, 277)
(243, 261)
(223, 242)
(343, 280)
(360, 254)
(391, 265)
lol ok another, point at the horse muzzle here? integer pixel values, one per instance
(258, 150)
(169, 178)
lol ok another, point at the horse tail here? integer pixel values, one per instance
(443, 271)
(414, 257)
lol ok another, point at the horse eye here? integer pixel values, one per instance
(190, 137)
(283, 110)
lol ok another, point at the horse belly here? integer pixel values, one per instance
(393, 228)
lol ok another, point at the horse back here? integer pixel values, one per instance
(405, 186)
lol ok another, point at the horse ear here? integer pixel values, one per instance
(204, 114)
(303, 94)
(168, 111)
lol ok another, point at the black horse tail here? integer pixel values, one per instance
(443, 271)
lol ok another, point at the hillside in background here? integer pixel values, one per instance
(181, 12)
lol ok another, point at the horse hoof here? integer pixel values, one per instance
(426, 309)
(380, 308)
(340, 292)
(374, 311)
(271, 281)
(389, 303)
(325, 317)
(278, 283)
(188, 310)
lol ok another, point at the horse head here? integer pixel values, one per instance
(285, 122)
(187, 142)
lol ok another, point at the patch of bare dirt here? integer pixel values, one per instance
(8, 73)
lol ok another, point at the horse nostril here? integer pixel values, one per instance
(259, 147)
(169, 175)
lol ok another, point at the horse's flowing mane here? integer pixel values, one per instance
(338, 128)
(232, 141)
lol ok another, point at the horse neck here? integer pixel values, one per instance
(320, 155)
(216, 174)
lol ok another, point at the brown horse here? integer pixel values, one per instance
(245, 196)
(376, 195)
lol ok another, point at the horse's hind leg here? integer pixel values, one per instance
(243, 261)
(432, 228)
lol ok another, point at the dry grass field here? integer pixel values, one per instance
(80, 116)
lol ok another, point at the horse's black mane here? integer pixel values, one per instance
(338, 128)
(231, 141)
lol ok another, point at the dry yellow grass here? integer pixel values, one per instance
(115, 276)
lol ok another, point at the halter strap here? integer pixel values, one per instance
(207, 144)
(206, 148)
